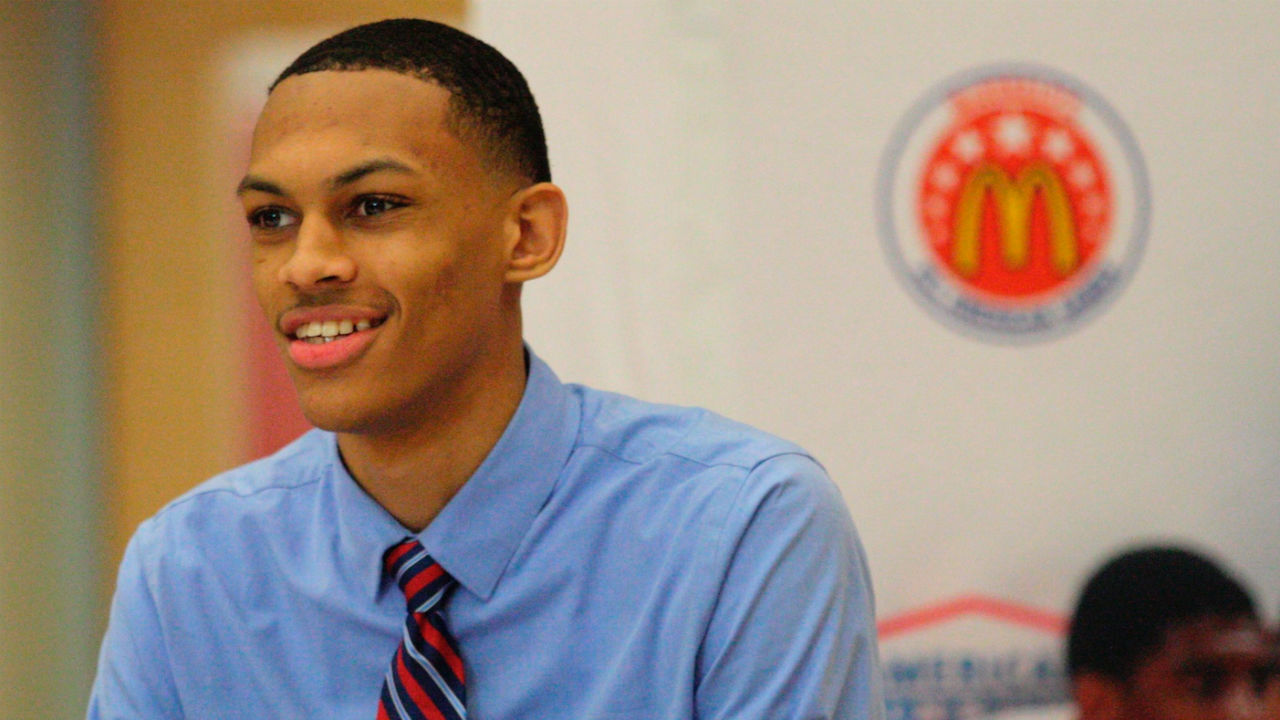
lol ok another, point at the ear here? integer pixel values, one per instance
(1097, 697)
(535, 238)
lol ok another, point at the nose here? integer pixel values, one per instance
(1242, 701)
(319, 258)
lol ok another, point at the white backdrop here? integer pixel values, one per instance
(720, 160)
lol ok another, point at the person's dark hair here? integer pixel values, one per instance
(490, 102)
(1132, 601)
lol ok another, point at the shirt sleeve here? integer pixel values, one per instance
(793, 632)
(134, 679)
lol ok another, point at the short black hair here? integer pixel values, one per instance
(490, 101)
(1132, 601)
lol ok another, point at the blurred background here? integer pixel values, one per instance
(750, 185)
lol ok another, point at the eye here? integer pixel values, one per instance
(271, 218)
(370, 205)
(1210, 684)
(1262, 677)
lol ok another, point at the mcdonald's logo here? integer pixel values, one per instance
(1012, 202)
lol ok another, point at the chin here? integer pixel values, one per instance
(338, 422)
(335, 414)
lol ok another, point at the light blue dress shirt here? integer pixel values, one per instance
(615, 559)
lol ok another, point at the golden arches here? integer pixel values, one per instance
(1013, 199)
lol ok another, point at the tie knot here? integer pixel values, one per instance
(423, 581)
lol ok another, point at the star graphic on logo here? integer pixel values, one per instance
(1082, 175)
(1013, 133)
(945, 176)
(936, 206)
(1057, 145)
(1095, 204)
(968, 146)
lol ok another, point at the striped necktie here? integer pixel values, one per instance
(426, 679)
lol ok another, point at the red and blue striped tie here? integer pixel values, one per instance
(426, 680)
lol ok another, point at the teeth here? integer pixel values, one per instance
(324, 331)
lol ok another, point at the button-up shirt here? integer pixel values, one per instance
(615, 559)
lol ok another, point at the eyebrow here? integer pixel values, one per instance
(342, 179)
(368, 168)
(253, 182)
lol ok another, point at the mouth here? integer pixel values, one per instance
(329, 337)
(319, 332)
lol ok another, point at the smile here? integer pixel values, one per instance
(332, 343)
(325, 331)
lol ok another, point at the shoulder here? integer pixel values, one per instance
(639, 431)
(260, 489)
(692, 452)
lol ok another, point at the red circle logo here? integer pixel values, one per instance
(1020, 201)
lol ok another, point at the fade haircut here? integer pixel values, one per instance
(1129, 605)
(489, 105)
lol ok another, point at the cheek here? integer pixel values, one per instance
(457, 276)
(418, 282)
(445, 282)
(263, 276)
(1175, 704)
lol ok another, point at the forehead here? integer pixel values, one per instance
(1216, 641)
(372, 109)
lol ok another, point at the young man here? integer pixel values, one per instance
(466, 536)
(1164, 634)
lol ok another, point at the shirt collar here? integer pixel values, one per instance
(475, 536)
(364, 529)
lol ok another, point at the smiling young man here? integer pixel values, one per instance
(466, 536)
(1162, 633)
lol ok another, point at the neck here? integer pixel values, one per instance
(414, 472)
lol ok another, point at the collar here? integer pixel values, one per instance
(475, 536)
(477, 533)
